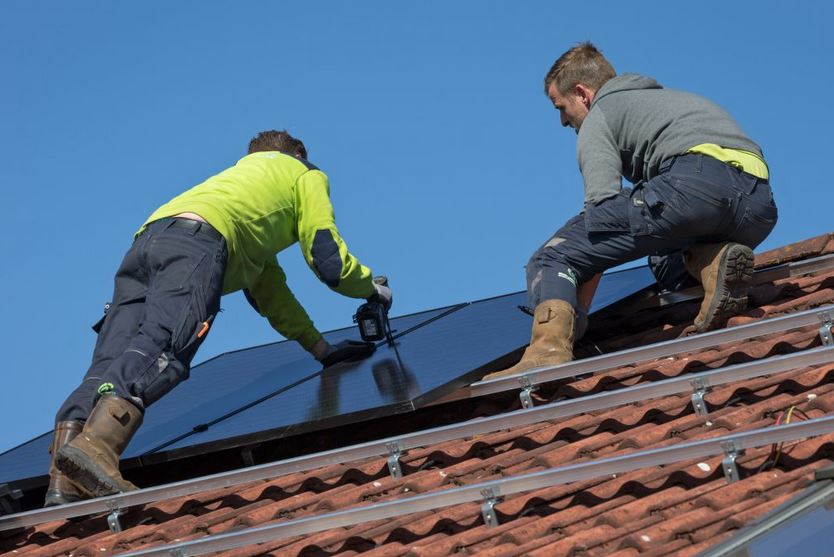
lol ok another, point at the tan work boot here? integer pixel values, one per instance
(61, 489)
(92, 458)
(725, 271)
(554, 324)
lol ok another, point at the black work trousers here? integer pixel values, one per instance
(695, 199)
(167, 291)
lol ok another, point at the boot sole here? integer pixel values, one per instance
(735, 274)
(519, 368)
(78, 466)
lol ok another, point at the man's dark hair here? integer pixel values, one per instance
(581, 64)
(274, 140)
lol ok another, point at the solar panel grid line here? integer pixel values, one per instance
(382, 447)
(397, 334)
(664, 349)
(200, 427)
(503, 487)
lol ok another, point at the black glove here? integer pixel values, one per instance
(347, 350)
(382, 294)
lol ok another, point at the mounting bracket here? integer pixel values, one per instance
(527, 388)
(115, 509)
(394, 454)
(701, 388)
(826, 319)
(491, 496)
(731, 452)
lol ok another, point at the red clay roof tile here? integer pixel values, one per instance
(678, 509)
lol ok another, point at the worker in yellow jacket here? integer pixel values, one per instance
(218, 237)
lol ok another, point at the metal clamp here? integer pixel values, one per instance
(247, 456)
(491, 496)
(115, 509)
(826, 318)
(699, 384)
(527, 388)
(728, 463)
(394, 454)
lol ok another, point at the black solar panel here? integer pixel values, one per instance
(27, 460)
(423, 366)
(218, 386)
(615, 286)
(231, 381)
(277, 389)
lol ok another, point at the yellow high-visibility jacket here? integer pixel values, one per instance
(262, 205)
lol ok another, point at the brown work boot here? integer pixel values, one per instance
(554, 324)
(92, 458)
(725, 271)
(61, 489)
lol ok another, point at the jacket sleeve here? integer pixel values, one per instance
(272, 298)
(323, 248)
(599, 158)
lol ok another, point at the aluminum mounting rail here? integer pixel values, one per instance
(731, 445)
(821, 317)
(794, 269)
(786, 270)
(394, 447)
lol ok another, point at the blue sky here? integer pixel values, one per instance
(448, 165)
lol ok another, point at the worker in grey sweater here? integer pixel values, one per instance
(700, 200)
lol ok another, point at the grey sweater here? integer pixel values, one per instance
(634, 125)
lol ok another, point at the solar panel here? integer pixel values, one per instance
(231, 381)
(277, 389)
(615, 286)
(421, 367)
(217, 386)
(26, 460)
(802, 526)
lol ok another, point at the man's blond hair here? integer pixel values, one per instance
(581, 64)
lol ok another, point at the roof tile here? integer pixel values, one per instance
(681, 508)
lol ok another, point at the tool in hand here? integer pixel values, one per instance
(372, 318)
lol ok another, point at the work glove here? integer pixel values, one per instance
(382, 294)
(329, 354)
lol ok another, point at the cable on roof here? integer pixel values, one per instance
(776, 449)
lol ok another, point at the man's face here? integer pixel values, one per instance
(572, 106)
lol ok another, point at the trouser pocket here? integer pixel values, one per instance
(168, 373)
(609, 215)
(759, 216)
(173, 364)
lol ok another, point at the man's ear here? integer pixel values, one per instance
(585, 94)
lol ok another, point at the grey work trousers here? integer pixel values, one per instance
(695, 199)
